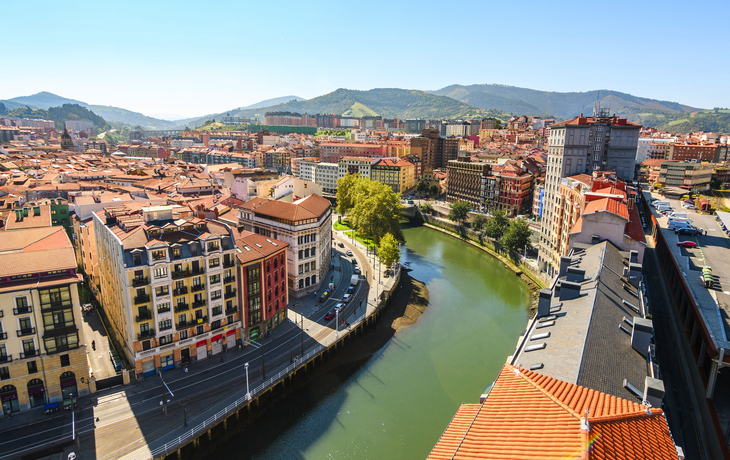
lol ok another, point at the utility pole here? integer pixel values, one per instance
(263, 363)
(164, 396)
(302, 316)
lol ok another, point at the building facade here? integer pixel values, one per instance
(42, 347)
(467, 181)
(399, 175)
(168, 285)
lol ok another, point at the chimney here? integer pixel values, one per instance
(653, 391)
(569, 290)
(595, 239)
(634, 257)
(564, 264)
(641, 335)
(576, 275)
(634, 274)
(543, 304)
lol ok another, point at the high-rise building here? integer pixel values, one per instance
(583, 145)
(168, 284)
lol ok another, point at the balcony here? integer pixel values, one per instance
(146, 334)
(22, 310)
(217, 326)
(183, 325)
(163, 309)
(197, 287)
(228, 279)
(199, 303)
(176, 275)
(228, 263)
(3, 335)
(232, 310)
(6, 358)
(144, 315)
(165, 328)
(230, 294)
(182, 307)
(140, 281)
(216, 281)
(180, 291)
(26, 331)
(199, 271)
(141, 299)
(201, 320)
(29, 354)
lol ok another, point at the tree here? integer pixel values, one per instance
(347, 189)
(459, 211)
(388, 250)
(433, 190)
(421, 186)
(478, 222)
(496, 225)
(426, 207)
(377, 210)
(517, 235)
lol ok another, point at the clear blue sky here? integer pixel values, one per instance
(194, 58)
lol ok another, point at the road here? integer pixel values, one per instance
(135, 412)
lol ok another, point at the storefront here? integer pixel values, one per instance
(167, 361)
(216, 344)
(36, 393)
(148, 367)
(68, 385)
(253, 334)
(231, 339)
(202, 350)
(9, 398)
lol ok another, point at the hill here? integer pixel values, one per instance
(274, 101)
(117, 114)
(58, 114)
(563, 105)
(717, 121)
(45, 100)
(386, 102)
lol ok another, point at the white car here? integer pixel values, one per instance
(347, 297)
(349, 253)
(689, 206)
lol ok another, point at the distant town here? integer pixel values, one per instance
(122, 261)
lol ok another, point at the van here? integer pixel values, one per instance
(676, 215)
(662, 207)
(658, 203)
(680, 219)
(674, 224)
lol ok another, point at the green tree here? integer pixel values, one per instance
(388, 250)
(433, 190)
(497, 225)
(517, 235)
(459, 211)
(348, 187)
(421, 186)
(426, 207)
(478, 222)
(377, 210)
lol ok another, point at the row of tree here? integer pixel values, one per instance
(513, 234)
(374, 210)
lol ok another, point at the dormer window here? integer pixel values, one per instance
(137, 258)
(213, 246)
(158, 254)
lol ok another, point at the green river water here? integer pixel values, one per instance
(398, 403)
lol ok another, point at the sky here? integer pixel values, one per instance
(185, 58)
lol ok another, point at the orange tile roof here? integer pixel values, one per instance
(633, 228)
(530, 415)
(607, 205)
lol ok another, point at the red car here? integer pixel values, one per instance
(330, 314)
(687, 244)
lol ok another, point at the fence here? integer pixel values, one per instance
(216, 418)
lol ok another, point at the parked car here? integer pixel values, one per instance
(349, 253)
(689, 206)
(687, 244)
(342, 245)
(691, 231)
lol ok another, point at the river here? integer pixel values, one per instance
(398, 403)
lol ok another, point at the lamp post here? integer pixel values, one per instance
(337, 321)
(291, 351)
(263, 363)
(302, 327)
(248, 393)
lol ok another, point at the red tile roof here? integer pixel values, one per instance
(530, 415)
(607, 205)
(633, 227)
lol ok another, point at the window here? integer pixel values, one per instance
(160, 272)
(65, 360)
(176, 253)
(146, 345)
(216, 324)
(212, 263)
(184, 334)
(217, 310)
(163, 307)
(200, 330)
(212, 246)
(165, 325)
(32, 367)
(162, 290)
(137, 258)
(158, 254)
(215, 279)
(165, 339)
(22, 304)
(4, 373)
(215, 295)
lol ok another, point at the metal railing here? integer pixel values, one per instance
(143, 315)
(197, 287)
(180, 291)
(181, 307)
(21, 310)
(26, 331)
(140, 281)
(141, 299)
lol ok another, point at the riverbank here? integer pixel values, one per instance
(522, 271)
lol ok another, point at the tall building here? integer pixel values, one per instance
(168, 284)
(399, 175)
(42, 348)
(467, 181)
(306, 225)
(425, 147)
(583, 145)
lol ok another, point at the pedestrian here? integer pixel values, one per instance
(186, 369)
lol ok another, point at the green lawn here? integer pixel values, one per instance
(344, 225)
(363, 239)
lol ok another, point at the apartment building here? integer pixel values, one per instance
(467, 181)
(167, 284)
(262, 280)
(42, 348)
(688, 175)
(514, 195)
(686, 152)
(399, 175)
(306, 226)
(332, 152)
(578, 146)
(356, 165)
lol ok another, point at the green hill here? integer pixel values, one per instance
(717, 121)
(45, 100)
(58, 114)
(563, 105)
(131, 118)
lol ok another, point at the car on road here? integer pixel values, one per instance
(691, 231)
(687, 244)
(353, 260)
(342, 245)
(330, 314)
(356, 270)
(349, 253)
(346, 298)
(351, 289)
(427, 199)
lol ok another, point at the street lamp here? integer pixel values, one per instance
(248, 393)
(291, 352)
